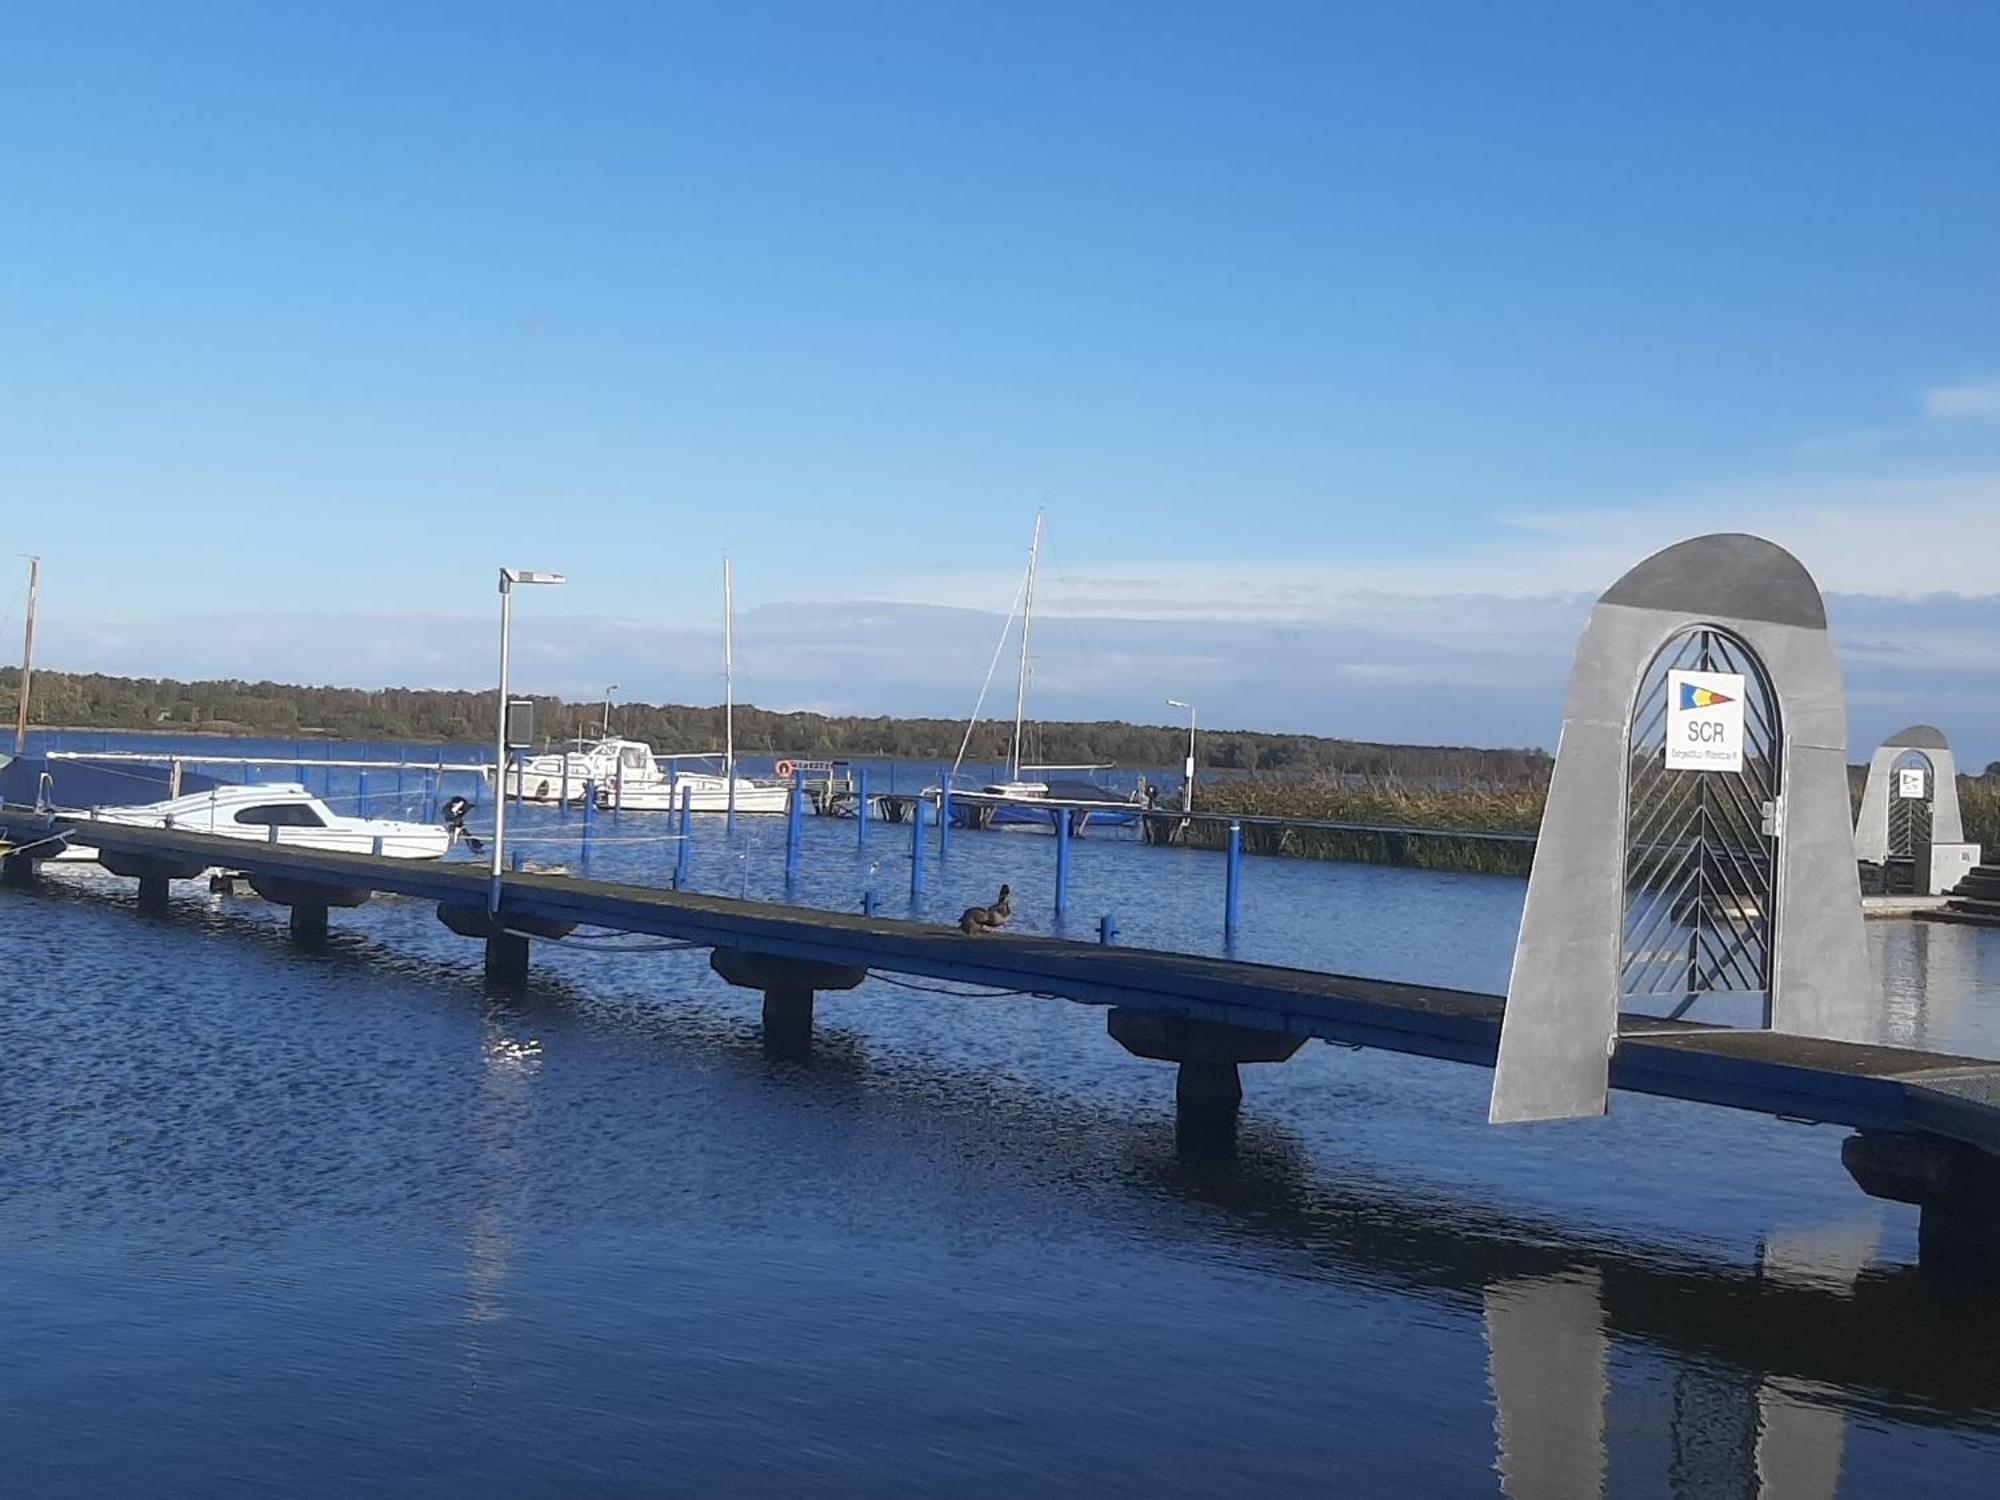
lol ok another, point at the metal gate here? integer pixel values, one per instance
(1700, 859)
(1910, 817)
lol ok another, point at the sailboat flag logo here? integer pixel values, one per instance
(1693, 697)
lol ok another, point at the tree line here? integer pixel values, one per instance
(91, 700)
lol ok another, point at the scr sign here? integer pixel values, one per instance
(1704, 721)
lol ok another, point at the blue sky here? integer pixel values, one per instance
(1350, 348)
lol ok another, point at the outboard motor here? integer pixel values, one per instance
(452, 815)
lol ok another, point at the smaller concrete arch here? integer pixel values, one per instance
(1871, 829)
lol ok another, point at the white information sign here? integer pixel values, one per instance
(1910, 782)
(1704, 721)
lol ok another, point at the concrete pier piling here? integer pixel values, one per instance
(791, 987)
(1208, 1091)
(506, 959)
(788, 1021)
(308, 926)
(153, 894)
(1955, 1188)
(505, 936)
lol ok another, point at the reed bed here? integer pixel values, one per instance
(1429, 813)
(1979, 805)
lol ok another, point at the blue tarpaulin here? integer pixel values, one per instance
(81, 783)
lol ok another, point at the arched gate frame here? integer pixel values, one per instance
(1784, 906)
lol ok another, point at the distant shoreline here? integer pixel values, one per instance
(80, 702)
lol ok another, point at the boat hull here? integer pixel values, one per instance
(706, 794)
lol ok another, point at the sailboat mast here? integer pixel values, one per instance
(729, 678)
(1027, 621)
(27, 657)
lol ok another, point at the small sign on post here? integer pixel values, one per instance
(1704, 721)
(1910, 783)
(521, 724)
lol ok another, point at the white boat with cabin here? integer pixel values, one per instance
(706, 791)
(627, 775)
(284, 813)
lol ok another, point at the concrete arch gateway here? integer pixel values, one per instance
(1696, 848)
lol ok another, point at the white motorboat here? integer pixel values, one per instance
(274, 812)
(628, 776)
(561, 776)
(706, 791)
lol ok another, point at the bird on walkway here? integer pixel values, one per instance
(989, 918)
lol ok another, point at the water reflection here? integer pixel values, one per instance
(1726, 1431)
(1546, 1357)
(502, 1121)
(1763, 1361)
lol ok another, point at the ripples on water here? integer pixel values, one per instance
(271, 1221)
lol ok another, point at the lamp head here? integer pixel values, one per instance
(511, 576)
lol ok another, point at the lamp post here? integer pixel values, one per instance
(1187, 771)
(508, 578)
(607, 709)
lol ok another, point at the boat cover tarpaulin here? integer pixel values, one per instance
(79, 783)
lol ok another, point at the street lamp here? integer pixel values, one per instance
(508, 578)
(607, 709)
(1187, 771)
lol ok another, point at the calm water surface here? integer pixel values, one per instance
(312, 1223)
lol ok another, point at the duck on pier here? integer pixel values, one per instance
(989, 918)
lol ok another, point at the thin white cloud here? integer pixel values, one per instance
(1974, 401)
(1909, 536)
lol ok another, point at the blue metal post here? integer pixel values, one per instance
(1233, 889)
(729, 796)
(618, 790)
(868, 903)
(944, 813)
(1062, 862)
(1107, 929)
(861, 807)
(520, 775)
(589, 817)
(684, 854)
(565, 781)
(917, 809)
(794, 826)
(361, 795)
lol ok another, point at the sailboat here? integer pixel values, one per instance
(1024, 797)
